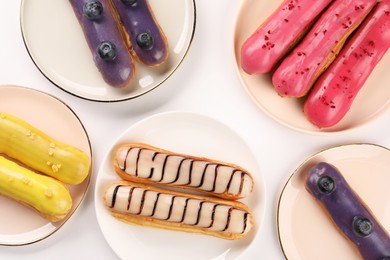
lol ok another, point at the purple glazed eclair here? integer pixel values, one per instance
(348, 212)
(109, 51)
(143, 34)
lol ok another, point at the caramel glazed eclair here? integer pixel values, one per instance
(147, 164)
(145, 205)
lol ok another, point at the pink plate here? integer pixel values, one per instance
(372, 101)
(305, 231)
(20, 225)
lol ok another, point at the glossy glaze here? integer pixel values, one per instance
(179, 208)
(138, 18)
(159, 166)
(46, 195)
(345, 209)
(278, 34)
(119, 71)
(41, 152)
(299, 70)
(335, 91)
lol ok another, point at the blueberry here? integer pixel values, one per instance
(144, 40)
(129, 2)
(362, 226)
(107, 50)
(93, 9)
(326, 184)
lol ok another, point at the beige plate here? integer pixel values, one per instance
(20, 225)
(57, 46)
(373, 99)
(305, 231)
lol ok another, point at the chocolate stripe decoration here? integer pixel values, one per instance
(199, 213)
(155, 204)
(182, 171)
(163, 168)
(137, 167)
(185, 211)
(170, 208)
(114, 196)
(178, 171)
(130, 196)
(228, 219)
(212, 216)
(140, 203)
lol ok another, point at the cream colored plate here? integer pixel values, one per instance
(20, 225)
(185, 133)
(372, 101)
(57, 46)
(305, 232)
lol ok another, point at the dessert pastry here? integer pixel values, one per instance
(301, 68)
(110, 54)
(39, 151)
(348, 212)
(278, 34)
(144, 37)
(147, 164)
(333, 94)
(49, 197)
(149, 206)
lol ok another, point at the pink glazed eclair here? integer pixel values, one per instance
(333, 94)
(301, 68)
(278, 34)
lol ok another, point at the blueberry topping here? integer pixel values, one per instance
(107, 50)
(93, 9)
(144, 40)
(362, 226)
(326, 184)
(129, 2)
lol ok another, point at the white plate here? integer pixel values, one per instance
(20, 225)
(186, 133)
(305, 231)
(372, 101)
(56, 44)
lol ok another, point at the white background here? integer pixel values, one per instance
(205, 83)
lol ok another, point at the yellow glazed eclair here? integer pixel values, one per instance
(49, 197)
(37, 150)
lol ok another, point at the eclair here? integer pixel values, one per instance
(145, 205)
(109, 51)
(348, 212)
(147, 164)
(301, 68)
(34, 148)
(278, 34)
(47, 196)
(143, 34)
(332, 96)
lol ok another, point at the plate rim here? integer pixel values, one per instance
(259, 219)
(115, 100)
(297, 168)
(320, 132)
(88, 179)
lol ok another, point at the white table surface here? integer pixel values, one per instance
(205, 83)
